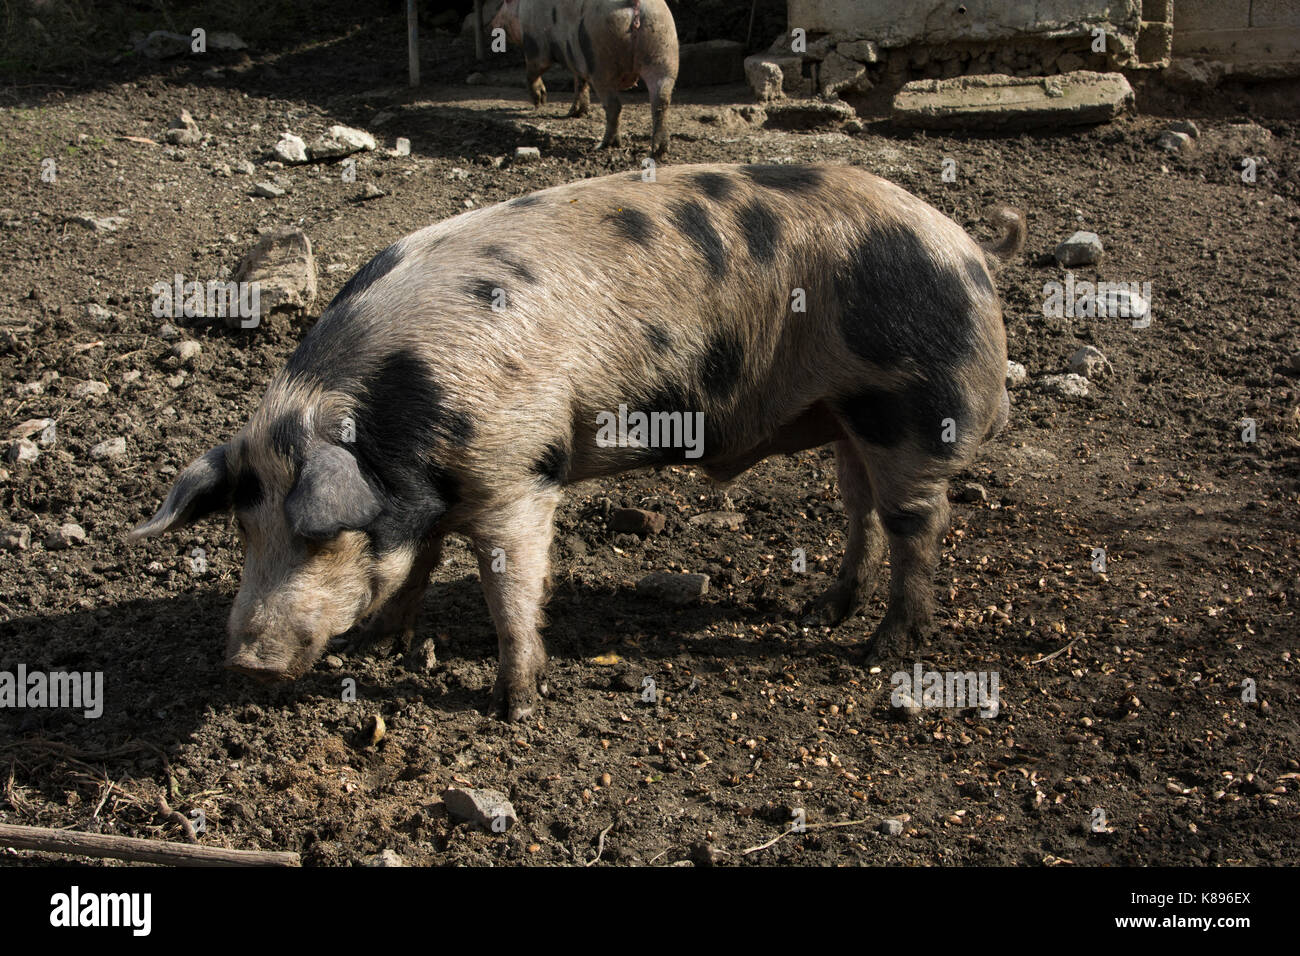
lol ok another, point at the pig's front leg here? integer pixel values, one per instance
(661, 95)
(395, 621)
(513, 547)
(581, 97)
(613, 107)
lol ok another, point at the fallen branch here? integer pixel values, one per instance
(137, 850)
(1056, 653)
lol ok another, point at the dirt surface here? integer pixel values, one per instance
(1121, 692)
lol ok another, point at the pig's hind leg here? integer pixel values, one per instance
(866, 543)
(535, 69)
(613, 107)
(513, 547)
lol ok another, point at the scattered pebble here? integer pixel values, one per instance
(169, 332)
(371, 191)
(267, 190)
(972, 492)
(385, 858)
(403, 147)
(718, 520)
(102, 224)
(183, 131)
(109, 448)
(1174, 142)
(1081, 249)
(65, 536)
(423, 655)
(1065, 386)
(89, 389)
(290, 149)
(891, 827)
(527, 154)
(673, 588)
(1090, 362)
(22, 451)
(1185, 126)
(97, 313)
(16, 537)
(1016, 374)
(482, 807)
(636, 521)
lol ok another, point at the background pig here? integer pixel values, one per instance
(608, 44)
(455, 384)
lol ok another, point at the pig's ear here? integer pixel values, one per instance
(200, 489)
(331, 495)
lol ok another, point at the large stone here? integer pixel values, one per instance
(1011, 102)
(711, 63)
(764, 76)
(1090, 362)
(340, 141)
(285, 269)
(839, 74)
(673, 588)
(1081, 249)
(488, 808)
(290, 149)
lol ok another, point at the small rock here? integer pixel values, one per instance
(423, 655)
(22, 451)
(1174, 142)
(89, 389)
(403, 147)
(636, 521)
(673, 588)
(340, 141)
(16, 537)
(718, 520)
(1065, 386)
(333, 662)
(225, 41)
(185, 352)
(290, 149)
(30, 427)
(169, 332)
(1185, 126)
(267, 191)
(527, 154)
(1081, 249)
(1090, 362)
(904, 705)
(284, 268)
(371, 191)
(130, 375)
(487, 808)
(102, 224)
(97, 313)
(891, 827)
(183, 131)
(972, 492)
(1016, 374)
(65, 536)
(245, 167)
(109, 448)
(386, 858)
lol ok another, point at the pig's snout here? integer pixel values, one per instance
(268, 658)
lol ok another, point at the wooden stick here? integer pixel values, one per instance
(413, 42)
(137, 850)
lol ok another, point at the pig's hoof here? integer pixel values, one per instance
(517, 700)
(660, 151)
(577, 112)
(608, 142)
(894, 639)
(383, 637)
(840, 601)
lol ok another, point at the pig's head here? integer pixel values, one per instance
(507, 18)
(312, 515)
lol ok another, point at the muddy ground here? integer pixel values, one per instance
(1121, 692)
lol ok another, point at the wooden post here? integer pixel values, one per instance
(136, 849)
(413, 42)
(480, 39)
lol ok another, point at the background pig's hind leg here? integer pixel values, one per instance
(613, 107)
(661, 95)
(513, 549)
(536, 87)
(581, 97)
(866, 543)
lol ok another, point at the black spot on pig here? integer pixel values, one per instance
(531, 49)
(523, 202)
(979, 275)
(875, 416)
(288, 436)
(519, 268)
(904, 524)
(714, 185)
(693, 220)
(553, 464)
(632, 224)
(658, 336)
(368, 275)
(485, 290)
(899, 305)
(762, 231)
(721, 365)
(784, 178)
(584, 44)
(247, 492)
(917, 413)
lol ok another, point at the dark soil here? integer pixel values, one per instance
(1120, 692)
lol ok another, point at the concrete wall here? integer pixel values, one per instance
(897, 23)
(1260, 37)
